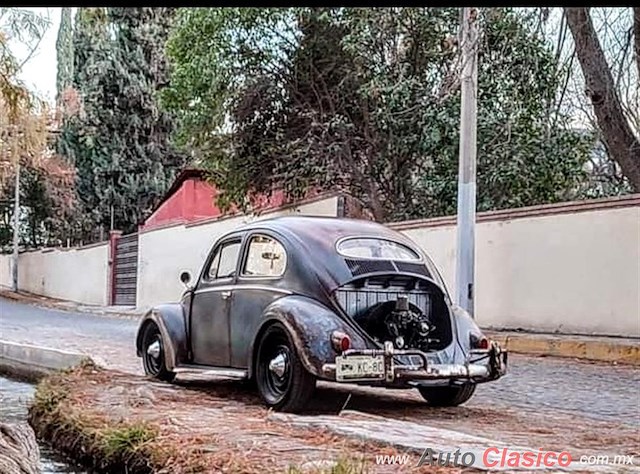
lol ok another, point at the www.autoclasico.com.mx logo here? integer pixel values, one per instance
(494, 457)
(505, 458)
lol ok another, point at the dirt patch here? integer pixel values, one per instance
(116, 422)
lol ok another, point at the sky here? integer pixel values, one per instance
(39, 73)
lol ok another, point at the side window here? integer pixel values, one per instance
(265, 257)
(213, 268)
(224, 261)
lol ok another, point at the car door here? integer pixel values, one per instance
(259, 283)
(210, 307)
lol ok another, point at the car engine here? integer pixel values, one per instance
(398, 321)
(408, 328)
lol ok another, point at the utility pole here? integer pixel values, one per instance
(16, 230)
(465, 255)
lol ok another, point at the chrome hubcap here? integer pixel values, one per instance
(278, 365)
(154, 349)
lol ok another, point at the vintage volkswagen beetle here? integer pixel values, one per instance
(290, 300)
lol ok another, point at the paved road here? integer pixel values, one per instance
(547, 393)
(108, 339)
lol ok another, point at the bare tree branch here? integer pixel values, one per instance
(636, 33)
(616, 130)
(33, 50)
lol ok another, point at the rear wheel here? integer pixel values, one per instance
(450, 396)
(283, 382)
(153, 355)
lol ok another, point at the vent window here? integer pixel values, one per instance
(362, 267)
(418, 268)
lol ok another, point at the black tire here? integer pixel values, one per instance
(450, 396)
(290, 389)
(154, 365)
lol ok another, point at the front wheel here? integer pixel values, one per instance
(283, 382)
(153, 354)
(450, 396)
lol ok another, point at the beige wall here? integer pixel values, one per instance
(73, 274)
(5, 270)
(573, 272)
(164, 253)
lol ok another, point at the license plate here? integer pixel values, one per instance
(359, 367)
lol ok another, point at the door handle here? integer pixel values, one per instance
(225, 294)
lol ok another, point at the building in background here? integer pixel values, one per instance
(191, 198)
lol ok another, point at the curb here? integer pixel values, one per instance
(33, 362)
(613, 350)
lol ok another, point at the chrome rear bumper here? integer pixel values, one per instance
(493, 367)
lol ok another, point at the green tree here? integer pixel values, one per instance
(367, 100)
(84, 140)
(64, 53)
(119, 139)
(47, 198)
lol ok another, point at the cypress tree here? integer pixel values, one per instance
(140, 128)
(119, 141)
(64, 51)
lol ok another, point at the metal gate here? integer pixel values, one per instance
(126, 270)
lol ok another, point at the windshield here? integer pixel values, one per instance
(372, 248)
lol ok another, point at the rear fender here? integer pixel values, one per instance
(171, 321)
(310, 325)
(465, 327)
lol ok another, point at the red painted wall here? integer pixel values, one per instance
(195, 200)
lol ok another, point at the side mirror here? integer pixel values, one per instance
(185, 278)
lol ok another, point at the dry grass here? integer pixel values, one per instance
(115, 422)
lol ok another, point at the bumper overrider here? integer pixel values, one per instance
(482, 365)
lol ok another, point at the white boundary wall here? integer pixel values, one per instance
(76, 274)
(574, 268)
(166, 252)
(5, 270)
(570, 268)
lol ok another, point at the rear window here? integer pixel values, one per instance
(372, 248)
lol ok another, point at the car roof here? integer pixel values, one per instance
(314, 239)
(328, 229)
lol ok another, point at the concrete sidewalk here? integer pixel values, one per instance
(591, 348)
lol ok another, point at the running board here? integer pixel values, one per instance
(219, 371)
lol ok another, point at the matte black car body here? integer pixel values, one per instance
(219, 324)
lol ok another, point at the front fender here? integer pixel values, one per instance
(310, 325)
(171, 321)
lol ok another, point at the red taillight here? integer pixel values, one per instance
(340, 341)
(479, 342)
(483, 343)
(345, 343)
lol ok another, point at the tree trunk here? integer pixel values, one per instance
(617, 134)
(636, 34)
(19, 453)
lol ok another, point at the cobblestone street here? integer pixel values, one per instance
(545, 403)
